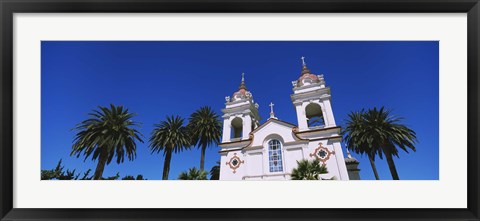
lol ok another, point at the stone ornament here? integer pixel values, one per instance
(322, 153)
(234, 162)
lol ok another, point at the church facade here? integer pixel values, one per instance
(270, 151)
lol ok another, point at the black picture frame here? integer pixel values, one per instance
(9, 7)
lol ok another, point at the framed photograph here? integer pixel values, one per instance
(166, 110)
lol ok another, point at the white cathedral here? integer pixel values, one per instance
(270, 151)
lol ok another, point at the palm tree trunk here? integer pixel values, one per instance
(102, 160)
(166, 164)
(202, 158)
(391, 166)
(374, 168)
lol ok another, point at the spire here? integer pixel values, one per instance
(272, 114)
(305, 70)
(242, 85)
(348, 154)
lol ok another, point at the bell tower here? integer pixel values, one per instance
(311, 99)
(240, 116)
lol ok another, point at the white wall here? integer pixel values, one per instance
(256, 162)
(226, 173)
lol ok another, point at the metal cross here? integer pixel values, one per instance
(303, 60)
(243, 76)
(271, 107)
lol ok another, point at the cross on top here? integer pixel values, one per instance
(243, 76)
(303, 60)
(271, 107)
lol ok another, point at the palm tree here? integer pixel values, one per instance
(206, 130)
(170, 136)
(353, 137)
(308, 170)
(193, 174)
(107, 134)
(215, 172)
(384, 132)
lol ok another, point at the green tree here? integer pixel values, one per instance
(107, 134)
(169, 136)
(52, 174)
(55, 174)
(58, 173)
(215, 172)
(206, 128)
(85, 175)
(113, 177)
(128, 177)
(308, 170)
(193, 174)
(353, 135)
(384, 132)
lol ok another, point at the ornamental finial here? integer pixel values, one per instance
(272, 114)
(304, 67)
(348, 154)
(242, 85)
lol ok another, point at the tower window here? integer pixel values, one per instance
(237, 126)
(275, 156)
(314, 115)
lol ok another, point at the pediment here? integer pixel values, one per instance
(273, 128)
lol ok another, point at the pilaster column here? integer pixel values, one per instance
(247, 127)
(329, 113)
(301, 117)
(227, 129)
(342, 168)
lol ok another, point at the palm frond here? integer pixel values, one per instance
(110, 130)
(170, 133)
(308, 170)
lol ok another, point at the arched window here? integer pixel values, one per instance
(307, 81)
(237, 126)
(275, 156)
(314, 115)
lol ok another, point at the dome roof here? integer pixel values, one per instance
(351, 160)
(242, 91)
(306, 77)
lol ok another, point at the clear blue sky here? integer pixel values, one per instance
(155, 79)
